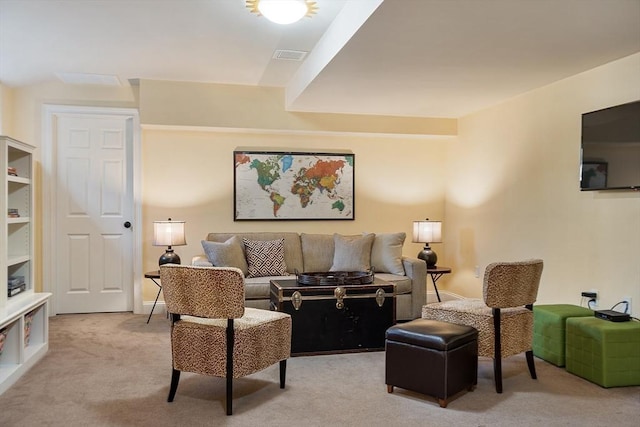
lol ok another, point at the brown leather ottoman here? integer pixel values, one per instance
(431, 357)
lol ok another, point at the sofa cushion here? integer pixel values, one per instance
(265, 257)
(317, 252)
(226, 254)
(352, 253)
(386, 253)
(259, 287)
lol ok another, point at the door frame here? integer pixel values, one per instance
(49, 192)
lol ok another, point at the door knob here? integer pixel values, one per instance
(127, 224)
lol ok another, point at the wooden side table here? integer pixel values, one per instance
(154, 276)
(436, 273)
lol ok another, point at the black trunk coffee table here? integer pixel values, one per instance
(340, 318)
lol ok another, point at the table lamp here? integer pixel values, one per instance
(427, 232)
(169, 233)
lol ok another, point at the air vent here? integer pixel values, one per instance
(289, 55)
(89, 79)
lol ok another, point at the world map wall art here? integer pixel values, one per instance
(293, 186)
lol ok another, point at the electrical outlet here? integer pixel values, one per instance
(476, 271)
(628, 305)
(592, 298)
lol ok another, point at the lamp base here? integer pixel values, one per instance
(428, 256)
(169, 257)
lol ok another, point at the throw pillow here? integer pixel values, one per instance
(352, 253)
(386, 253)
(265, 257)
(317, 252)
(227, 254)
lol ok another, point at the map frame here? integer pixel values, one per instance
(242, 188)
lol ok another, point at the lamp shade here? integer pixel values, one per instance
(168, 233)
(427, 231)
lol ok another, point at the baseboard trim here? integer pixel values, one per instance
(161, 308)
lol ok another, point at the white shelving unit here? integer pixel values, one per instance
(24, 332)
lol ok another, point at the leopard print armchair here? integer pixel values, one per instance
(504, 317)
(212, 333)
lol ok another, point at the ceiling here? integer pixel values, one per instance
(424, 58)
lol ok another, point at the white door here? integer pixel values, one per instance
(93, 214)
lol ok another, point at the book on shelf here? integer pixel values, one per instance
(13, 213)
(13, 281)
(16, 290)
(12, 171)
(15, 285)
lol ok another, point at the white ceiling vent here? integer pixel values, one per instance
(289, 55)
(89, 79)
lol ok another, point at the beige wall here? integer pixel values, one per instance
(191, 130)
(513, 193)
(262, 108)
(26, 123)
(6, 110)
(29, 100)
(507, 188)
(188, 175)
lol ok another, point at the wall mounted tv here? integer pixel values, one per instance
(610, 151)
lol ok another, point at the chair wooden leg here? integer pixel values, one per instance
(283, 372)
(532, 367)
(229, 395)
(497, 373)
(497, 351)
(175, 378)
(230, 340)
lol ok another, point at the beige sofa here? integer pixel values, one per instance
(323, 252)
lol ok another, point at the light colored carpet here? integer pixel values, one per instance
(114, 370)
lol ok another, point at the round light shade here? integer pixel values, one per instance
(283, 11)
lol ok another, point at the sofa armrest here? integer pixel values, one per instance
(416, 269)
(201, 261)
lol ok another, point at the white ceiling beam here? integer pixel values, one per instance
(349, 20)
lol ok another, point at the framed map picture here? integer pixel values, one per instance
(293, 185)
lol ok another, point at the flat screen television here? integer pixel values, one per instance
(610, 149)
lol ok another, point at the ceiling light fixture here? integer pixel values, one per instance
(283, 11)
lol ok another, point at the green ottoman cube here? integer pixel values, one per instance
(549, 329)
(606, 353)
